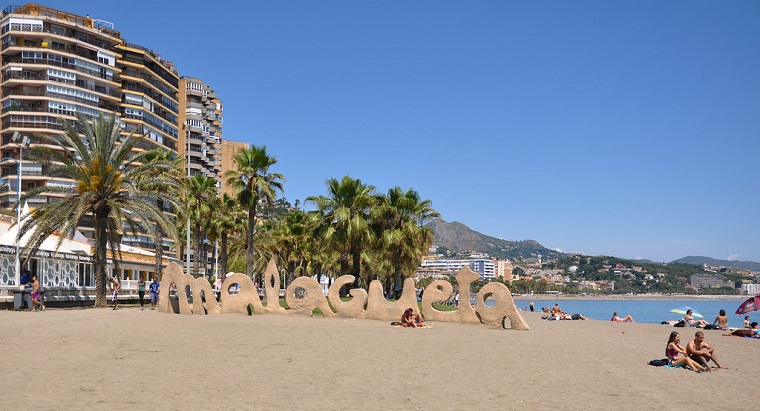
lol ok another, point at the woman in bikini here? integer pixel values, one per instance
(616, 318)
(691, 322)
(410, 319)
(672, 350)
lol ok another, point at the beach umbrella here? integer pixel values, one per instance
(750, 305)
(682, 311)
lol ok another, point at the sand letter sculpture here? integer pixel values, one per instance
(189, 295)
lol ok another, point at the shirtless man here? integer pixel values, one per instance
(36, 294)
(115, 285)
(702, 352)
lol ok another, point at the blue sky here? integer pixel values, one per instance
(609, 128)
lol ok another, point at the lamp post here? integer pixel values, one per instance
(18, 213)
(22, 142)
(188, 203)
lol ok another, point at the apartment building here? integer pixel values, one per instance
(485, 267)
(229, 150)
(202, 124)
(57, 64)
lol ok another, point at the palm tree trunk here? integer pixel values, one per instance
(197, 250)
(223, 256)
(158, 240)
(101, 244)
(397, 284)
(356, 267)
(249, 242)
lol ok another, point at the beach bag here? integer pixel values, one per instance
(712, 327)
(659, 363)
(681, 323)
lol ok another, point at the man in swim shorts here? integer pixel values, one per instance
(36, 294)
(115, 285)
(702, 352)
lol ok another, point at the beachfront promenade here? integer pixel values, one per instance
(126, 359)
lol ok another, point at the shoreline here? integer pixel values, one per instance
(637, 297)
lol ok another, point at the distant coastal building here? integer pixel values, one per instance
(485, 267)
(503, 269)
(710, 281)
(752, 289)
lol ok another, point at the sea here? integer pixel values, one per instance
(645, 310)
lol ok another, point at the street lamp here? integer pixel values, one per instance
(188, 203)
(22, 142)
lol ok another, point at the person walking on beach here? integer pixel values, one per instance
(154, 293)
(702, 352)
(141, 291)
(36, 294)
(115, 285)
(627, 318)
(456, 299)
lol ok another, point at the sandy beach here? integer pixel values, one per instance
(133, 359)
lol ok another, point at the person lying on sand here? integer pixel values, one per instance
(574, 317)
(627, 318)
(753, 332)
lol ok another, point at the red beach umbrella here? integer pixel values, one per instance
(750, 305)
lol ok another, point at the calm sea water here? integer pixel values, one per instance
(645, 311)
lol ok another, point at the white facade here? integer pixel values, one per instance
(753, 289)
(486, 268)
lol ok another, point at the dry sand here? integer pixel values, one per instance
(133, 359)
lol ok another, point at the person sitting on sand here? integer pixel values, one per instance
(721, 320)
(691, 322)
(672, 350)
(746, 322)
(556, 311)
(617, 319)
(701, 352)
(410, 319)
(753, 331)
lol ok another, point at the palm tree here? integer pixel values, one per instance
(226, 220)
(201, 193)
(254, 183)
(106, 188)
(345, 221)
(293, 235)
(400, 219)
(169, 182)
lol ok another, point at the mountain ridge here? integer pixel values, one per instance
(458, 237)
(699, 260)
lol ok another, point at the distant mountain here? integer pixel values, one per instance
(746, 265)
(458, 237)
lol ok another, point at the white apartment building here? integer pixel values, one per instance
(485, 267)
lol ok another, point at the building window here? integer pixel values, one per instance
(58, 30)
